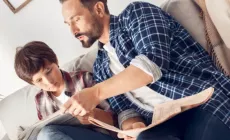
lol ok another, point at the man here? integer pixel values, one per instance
(146, 46)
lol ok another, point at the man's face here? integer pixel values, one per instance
(48, 78)
(84, 24)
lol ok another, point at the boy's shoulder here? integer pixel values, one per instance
(79, 78)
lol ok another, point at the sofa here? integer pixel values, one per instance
(18, 109)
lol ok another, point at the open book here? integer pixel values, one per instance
(163, 112)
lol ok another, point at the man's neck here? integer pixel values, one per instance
(105, 35)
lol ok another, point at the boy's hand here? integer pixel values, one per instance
(133, 126)
(82, 102)
(85, 119)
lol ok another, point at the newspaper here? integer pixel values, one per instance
(30, 133)
(163, 112)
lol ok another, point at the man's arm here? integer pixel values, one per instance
(129, 79)
(132, 123)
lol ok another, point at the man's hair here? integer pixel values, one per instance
(31, 58)
(90, 3)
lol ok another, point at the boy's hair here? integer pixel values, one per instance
(90, 3)
(31, 58)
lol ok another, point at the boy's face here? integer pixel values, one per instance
(48, 78)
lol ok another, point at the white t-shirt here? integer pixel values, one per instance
(63, 97)
(144, 97)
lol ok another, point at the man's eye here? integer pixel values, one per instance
(77, 19)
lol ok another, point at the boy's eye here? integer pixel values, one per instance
(39, 80)
(49, 70)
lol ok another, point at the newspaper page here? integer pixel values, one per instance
(163, 112)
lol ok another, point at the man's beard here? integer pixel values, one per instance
(89, 42)
(93, 34)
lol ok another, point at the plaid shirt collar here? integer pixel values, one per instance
(69, 85)
(114, 27)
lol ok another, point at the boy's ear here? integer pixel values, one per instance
(32, 83)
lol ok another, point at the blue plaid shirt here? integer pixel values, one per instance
(187, 68)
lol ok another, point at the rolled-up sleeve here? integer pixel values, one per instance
(142, 62)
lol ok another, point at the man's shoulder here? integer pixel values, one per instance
(138, 9)
(138, 5)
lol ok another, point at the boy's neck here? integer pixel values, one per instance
(60, 90)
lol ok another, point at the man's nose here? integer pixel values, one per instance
(74, 29)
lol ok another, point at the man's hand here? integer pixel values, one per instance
(82, 102)
(135, 125)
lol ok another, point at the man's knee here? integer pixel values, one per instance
(47, 133)
(151, 135)
(145, 135)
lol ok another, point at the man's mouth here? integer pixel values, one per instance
(79, 36)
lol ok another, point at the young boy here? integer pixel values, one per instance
(37, 64)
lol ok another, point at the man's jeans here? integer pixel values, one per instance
(195, 124)
(62, 132)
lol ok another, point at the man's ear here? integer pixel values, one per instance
(99, 9)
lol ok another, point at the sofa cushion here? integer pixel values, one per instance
(187, 14)
(83, 62)
(19, 109)
(219, 12)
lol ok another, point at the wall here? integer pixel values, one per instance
(39, 20)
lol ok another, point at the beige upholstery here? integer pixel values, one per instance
(220, 17)
(187, 14)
